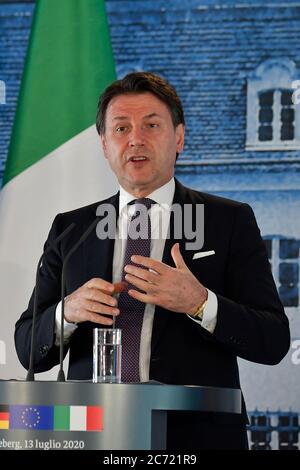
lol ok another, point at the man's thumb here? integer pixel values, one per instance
(177, 257)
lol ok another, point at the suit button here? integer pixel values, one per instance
(44, 349)
(234, 340)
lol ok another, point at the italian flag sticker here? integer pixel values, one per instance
(78, 418)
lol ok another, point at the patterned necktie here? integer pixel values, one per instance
(132, 310)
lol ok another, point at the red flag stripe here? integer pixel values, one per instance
(94, 418)
(4, 416)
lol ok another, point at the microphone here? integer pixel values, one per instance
(30, 373)
(61, 374)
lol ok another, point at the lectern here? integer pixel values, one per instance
(84, 415)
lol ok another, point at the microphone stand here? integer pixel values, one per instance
(61, 374)
(30, 373)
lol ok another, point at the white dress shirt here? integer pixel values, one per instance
(160, 217)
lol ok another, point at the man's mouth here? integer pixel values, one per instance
(137, 158)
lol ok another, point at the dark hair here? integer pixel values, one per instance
(141, 82)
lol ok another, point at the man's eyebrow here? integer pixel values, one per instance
(151, 115)
(120, 118)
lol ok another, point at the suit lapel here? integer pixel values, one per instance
(99, 253)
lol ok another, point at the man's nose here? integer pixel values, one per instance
(136, 137)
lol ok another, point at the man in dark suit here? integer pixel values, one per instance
(202, 307)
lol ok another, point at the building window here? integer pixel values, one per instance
(273, 120)
(284, 257)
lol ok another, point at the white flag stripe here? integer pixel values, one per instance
(78, 418)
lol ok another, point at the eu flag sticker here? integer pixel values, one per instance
(31, 417)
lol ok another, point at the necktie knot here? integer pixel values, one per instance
(143, 201)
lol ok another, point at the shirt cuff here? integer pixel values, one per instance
(69, 328)
(210, 313)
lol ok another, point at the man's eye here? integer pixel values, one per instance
(153, 125)
(120, 129)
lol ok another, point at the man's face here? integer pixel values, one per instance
(140, 142)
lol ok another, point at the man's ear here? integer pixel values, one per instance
(179, 132)
(103, 141)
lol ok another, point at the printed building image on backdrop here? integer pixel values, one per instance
(235, 66)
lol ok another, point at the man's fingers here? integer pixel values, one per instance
(97, 307)
(99, 296)
(97, 284)
(139, 283)
(101, 320)
(142, 273)
(100, 284)
(146, 298)
(177, 256)
(150, 263)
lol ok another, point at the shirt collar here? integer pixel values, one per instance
(162, 195)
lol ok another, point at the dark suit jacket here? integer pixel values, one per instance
(250, 324)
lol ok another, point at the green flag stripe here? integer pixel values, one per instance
(69, 63)
(61, 418)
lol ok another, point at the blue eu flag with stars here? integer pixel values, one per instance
(31, 417)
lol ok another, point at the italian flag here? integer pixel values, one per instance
(55, 162)
(78, 418)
